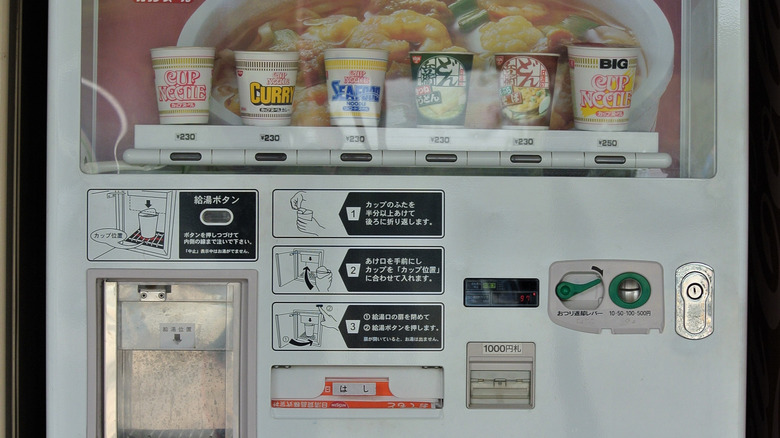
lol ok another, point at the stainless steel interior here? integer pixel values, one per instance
(170, 359)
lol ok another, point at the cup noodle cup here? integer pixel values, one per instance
(602, 83)
(441, 85)
(526, 83)
(182, 78)
(266, 84)
(356, 80)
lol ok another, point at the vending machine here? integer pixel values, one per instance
(396, 218)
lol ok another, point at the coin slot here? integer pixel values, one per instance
(629, 290)
(216, 217)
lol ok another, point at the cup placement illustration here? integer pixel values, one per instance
(147, 222)
(356, 82)
(182, 78)
(526, 82)
(602, 83)
(266, 84)
(441, 85)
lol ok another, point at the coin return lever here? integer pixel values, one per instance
(500, 375)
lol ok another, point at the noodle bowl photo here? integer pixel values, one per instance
(483, 27)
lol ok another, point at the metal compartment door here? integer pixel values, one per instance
(171, 358)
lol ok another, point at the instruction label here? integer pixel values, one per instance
(333, 269)
(341, 327)
(131, 224)
(393, 270)
(393, 214)
(218, 225)
(404, 326)
(338, 213)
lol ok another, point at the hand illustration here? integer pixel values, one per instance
(328, 321)
(307, 223)
(297, 200)
(323, 279)
(305, 220)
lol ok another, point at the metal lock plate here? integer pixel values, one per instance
(694, 298)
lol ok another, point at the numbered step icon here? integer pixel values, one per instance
(353, 213)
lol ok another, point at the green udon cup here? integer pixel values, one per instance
(441, 86)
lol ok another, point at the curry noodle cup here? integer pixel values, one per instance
(266, 84)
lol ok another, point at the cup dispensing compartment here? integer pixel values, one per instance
(172, 357)
(619, 295)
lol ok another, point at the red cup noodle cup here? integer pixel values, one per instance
(441, 85)
(182, 78)
(526, 82)
(602, 83)
(266, 84)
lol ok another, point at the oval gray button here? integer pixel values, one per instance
(216, 217)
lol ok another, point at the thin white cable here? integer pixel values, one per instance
(119, 111)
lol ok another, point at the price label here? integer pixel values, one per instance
(608, 142)
(439, 139)
(185, 136)
(523, 141)
(355, 139)
(270, 138)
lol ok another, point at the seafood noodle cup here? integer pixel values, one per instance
(526, 85)
(355, 79)
(182, 78)
(266, 84)
(602, 83)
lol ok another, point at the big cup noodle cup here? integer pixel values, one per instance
(526, 82)
(266, 84)
(441, 85)
(355, 80)
(602, 83)
(182, 78)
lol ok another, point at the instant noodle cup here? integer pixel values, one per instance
(602, 83)
(441, 86)
(526, 82)
(355, 80)
(182, 78)
(266, 84)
